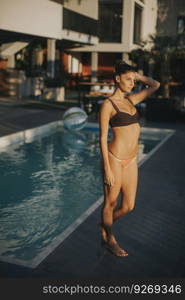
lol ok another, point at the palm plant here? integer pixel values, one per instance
(163, 50)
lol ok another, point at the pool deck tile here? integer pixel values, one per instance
(153, 233)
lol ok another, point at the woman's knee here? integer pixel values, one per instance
(110, 203)
(127, 207)
(131, 207)
(111, 198)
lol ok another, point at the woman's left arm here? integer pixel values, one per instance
(140, 96)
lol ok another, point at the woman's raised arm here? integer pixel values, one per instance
(140, 96)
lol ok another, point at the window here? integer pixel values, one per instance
(110, 21)
(181, 24)
(137, 24)
(78, 22)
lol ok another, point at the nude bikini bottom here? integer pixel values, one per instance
(123, 162)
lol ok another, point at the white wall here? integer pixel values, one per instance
(128, 24)
(149, 18)
(148, 27)
(36, 17)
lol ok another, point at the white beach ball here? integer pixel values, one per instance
(74, 118)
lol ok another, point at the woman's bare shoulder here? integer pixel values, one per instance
(106, 103)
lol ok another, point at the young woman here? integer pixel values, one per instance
(119, 157)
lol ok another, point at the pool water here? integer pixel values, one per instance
(49, 183)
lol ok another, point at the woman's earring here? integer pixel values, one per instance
(117, 79)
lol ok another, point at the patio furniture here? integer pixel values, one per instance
(94, 89)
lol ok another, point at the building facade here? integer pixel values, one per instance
(22, 21)
(123, 25)
(34, 35)
(86, 36)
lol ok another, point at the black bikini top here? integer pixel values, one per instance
(123, 118)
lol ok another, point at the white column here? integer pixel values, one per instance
(39, 57)
(94, 66)
(128, 24)
(70, 63)
(75, 63)
(51, 57)
(125, 57)
(151, 64)
(11, 61)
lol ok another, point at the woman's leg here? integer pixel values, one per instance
(129, 182)
(110, 196)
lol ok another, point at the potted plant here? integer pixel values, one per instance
(158, 62)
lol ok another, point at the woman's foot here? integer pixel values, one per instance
(115, 249)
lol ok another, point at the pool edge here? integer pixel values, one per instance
(29, 135)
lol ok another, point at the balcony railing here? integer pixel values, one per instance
(80, 23)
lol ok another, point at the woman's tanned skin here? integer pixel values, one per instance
(124, 145)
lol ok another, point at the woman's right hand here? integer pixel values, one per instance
(137, 76)
(109, 177)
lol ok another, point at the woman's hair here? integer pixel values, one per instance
(121, 67)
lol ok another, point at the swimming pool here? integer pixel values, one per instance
(50, 183)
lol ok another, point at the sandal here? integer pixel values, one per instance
(116, 250)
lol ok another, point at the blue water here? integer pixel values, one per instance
(45, 186)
